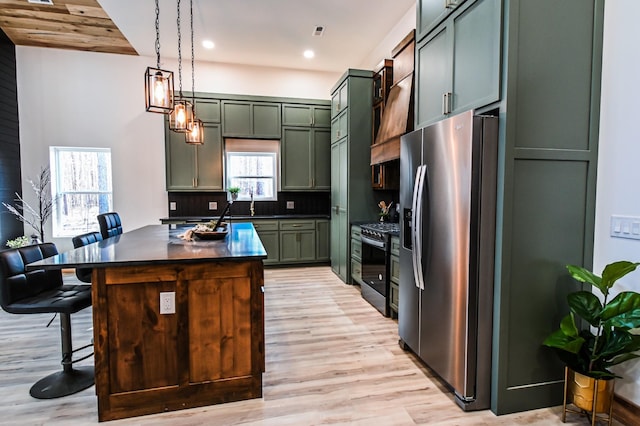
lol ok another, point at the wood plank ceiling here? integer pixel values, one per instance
(67, 24)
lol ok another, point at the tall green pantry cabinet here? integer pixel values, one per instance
(540, 73)
(352, 197)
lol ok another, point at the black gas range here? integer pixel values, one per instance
(376, 254)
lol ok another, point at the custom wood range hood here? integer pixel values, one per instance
(397, 117)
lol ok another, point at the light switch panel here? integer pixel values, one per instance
(625, 227)
(290, 204)
(213, 205)
(172, 205)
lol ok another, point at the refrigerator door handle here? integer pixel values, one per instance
(416, 226)
(414, 240)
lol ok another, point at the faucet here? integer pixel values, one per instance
(251, 205)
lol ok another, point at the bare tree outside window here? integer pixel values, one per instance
(81, 182)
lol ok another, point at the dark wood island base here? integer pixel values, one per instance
(211, 350)
(177, 324)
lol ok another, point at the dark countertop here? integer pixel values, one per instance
(159, 244)
(231, 218)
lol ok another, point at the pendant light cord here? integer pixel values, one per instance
(193, 69)
(158, 34)
(179, 51)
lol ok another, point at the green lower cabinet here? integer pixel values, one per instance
(297, 246)
(322, 240)
(268, 232)
(290, 241)
(297, 241)
(271, 242)
(356, 255)
(356, 271)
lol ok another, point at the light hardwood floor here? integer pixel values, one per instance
(331, 358)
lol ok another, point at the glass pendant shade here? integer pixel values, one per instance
(181, 116)
(158, 87)
(195, 136)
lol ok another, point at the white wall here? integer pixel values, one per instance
(618, 188)
(69, 98)
(395, 36)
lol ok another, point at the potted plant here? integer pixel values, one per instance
(233, 190)
(605, 339)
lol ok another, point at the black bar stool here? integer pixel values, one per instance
(110, 224)
(43, 291)
(84, 274)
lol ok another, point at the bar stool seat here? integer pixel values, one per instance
(43, 291)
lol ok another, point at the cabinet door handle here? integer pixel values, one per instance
(295, 225)
(446, 103)
(450, 4)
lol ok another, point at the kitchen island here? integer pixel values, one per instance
(177, 324)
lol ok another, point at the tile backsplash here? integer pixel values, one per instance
(197, 204)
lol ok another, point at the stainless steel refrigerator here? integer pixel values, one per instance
(447, 202)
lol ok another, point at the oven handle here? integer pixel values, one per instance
(371, 242)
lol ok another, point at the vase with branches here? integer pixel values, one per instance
(37, 216)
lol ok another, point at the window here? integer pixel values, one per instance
(252, 166)
(80, 187)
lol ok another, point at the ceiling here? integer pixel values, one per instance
(253, 32)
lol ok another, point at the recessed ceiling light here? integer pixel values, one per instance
(208, 44)
(309, 54)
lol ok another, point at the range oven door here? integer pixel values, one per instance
(375, 274)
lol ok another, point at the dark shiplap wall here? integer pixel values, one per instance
(10, 180)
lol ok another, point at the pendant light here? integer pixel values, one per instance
(195, 136)
(182, 113)
(158, 83)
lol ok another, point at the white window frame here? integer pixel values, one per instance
(253, 147)
(58, 193)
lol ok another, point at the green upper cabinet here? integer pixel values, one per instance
(244, 119)
(306, 115)
(340, 99)
(208, 110)
(431, 12)
(339, 126)
(458, 64)
(194, 167)
(322, 156)
(306, 157)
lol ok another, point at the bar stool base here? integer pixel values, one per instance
(63, 383)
